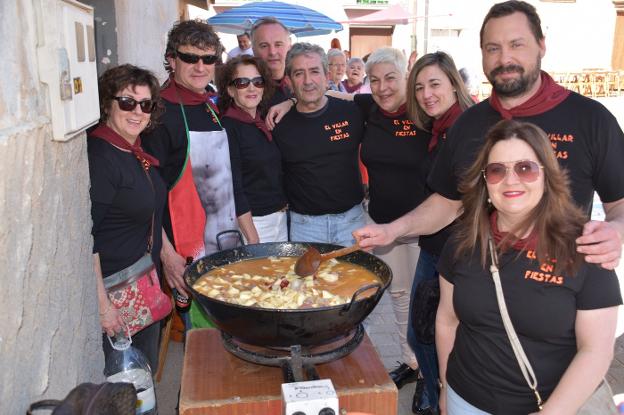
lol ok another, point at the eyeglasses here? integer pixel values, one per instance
(129, 104)
(526, 170)
(242, 83)
(193, 58)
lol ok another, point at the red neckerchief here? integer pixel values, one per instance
(238, 114)
(107, 134)
(174, 92)
(443, 123)
(401, 111)
(527, 244)
(350, 89)
(548, 96)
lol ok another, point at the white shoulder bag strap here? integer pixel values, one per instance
(523, 360)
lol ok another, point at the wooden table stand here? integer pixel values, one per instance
(215, 382)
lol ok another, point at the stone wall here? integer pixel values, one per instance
(142, 32)
(49, 329)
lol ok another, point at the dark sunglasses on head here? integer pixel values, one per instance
(242, 83)
(193, 58)
(526, 170)
(129, 104)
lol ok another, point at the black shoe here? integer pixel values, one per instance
(403, 374)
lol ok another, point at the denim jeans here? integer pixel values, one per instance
(425, 353)
(331, 228)
(456, 405)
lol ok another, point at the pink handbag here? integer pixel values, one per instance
(135, 292)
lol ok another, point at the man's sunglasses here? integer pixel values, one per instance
(193, 58)
(129, 104)
(527, 171)
(242, 83)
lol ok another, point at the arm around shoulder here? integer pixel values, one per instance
(601, 242)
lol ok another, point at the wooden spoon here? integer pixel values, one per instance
(309, 262)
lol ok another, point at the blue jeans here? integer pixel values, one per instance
(331, 228)
(425, 353)
(456, 405)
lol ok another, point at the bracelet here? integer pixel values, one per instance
(110, 305)
(293, 100)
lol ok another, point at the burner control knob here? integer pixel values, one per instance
(327, 411)
(299, 413)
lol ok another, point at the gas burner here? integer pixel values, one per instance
(297, 362)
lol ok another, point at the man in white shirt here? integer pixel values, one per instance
(244, 46)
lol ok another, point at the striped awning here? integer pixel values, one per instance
(300, 20)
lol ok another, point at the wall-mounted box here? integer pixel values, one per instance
(67, 64)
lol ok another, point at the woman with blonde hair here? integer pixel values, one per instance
(436, 97)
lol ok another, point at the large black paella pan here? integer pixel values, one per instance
(281, 328)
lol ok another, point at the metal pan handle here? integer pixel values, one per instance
(237, 235)
(359, 291)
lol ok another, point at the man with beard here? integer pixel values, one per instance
(319, 141)
(586, 138)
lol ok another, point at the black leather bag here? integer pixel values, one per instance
(91, 399)
(424, 308)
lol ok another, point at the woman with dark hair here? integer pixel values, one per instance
(436, 98)
(127, 193)
(245, 89)
(523, 322)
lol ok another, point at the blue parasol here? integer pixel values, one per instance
(301, 21)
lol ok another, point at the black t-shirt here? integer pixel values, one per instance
(320, 157)
(396, 157)
(122, 203)
(585, 136)
(434, 242)
(256, 169)
(168, 141)
(542, 307)
(169, 144)
(280, 94)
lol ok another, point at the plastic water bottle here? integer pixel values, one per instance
(127, 364)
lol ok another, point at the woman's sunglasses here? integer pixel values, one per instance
(526, 170)
(129, 104)
(193, 59)
(242, 83)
